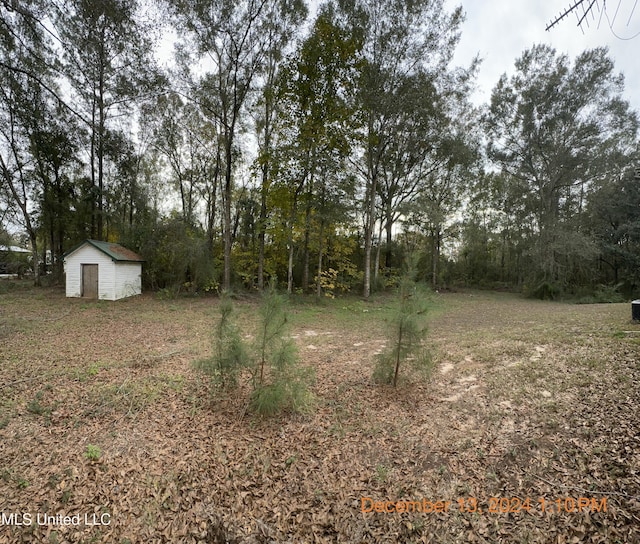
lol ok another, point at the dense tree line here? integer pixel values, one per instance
(318, 149)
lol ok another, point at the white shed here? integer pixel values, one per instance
(102, 270)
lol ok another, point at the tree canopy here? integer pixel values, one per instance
(315, 147)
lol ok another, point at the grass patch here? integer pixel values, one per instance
(40, 404)
(129, 397)
(92, 452)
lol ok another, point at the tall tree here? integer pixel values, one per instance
(555, 128)
(443, 183)
(25, 70)
(423, 173)
(400, 39)
(316, 91)
(285, 19)
(188, 142)
(53, 148)
(613, 220)
(108, 64)
(16, 169)
(233, 36)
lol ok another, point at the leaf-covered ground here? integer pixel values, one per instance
(103, 417)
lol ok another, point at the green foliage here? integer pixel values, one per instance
(614, 222)
(279, 383)
(36, 406)
(6, 286)
(270, 344)
(178, 259)
(289, 392)
(407, 334)
(545, 290)
(92, 452)
(329, 282)
(558, 129)
(229, 351)
(602, 294)
(342, 274)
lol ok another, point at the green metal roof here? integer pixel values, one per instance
(115, 251)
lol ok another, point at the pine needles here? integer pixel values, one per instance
(278, 382)
(407, 334)
(230, 354)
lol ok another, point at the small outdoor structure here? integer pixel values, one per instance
(14, 260)
(635, 310)
(102, 270)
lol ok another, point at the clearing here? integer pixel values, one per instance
(529, 430)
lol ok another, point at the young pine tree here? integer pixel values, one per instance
(279, 382)
(407, 333)
(230, 354)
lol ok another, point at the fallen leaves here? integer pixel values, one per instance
(178, 466)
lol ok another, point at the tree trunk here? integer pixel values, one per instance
(376, 266)
(211, 204)
(389, 231)
(292, 220)
(262, 228)
(368, 237)
(264, 188)
(101, 136)
(92, 160)
(435, 256)
(35, 257)
(320, 250)
(307, 230)
(305, 260)
(370, 212)
(226, 196)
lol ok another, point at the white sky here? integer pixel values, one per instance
(500, 30)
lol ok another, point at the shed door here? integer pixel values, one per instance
(90, 280)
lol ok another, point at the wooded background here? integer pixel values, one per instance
(317, 149)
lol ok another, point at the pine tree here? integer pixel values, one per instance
(230, 354)
(407, 333)
(279, 383)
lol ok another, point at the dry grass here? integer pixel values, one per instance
(529, 399)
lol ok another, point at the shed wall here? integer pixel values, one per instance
(128, 279)
(106, 272)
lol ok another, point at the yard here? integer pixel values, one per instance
(528, 431)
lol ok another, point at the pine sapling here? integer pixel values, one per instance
(229, 351)
(408, 332)
(279, 381)
(269, 341)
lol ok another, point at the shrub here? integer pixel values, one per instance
(278, 382)
(545, 290)
(92, 452)
(602, 294)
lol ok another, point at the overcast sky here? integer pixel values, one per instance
(500, 30)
